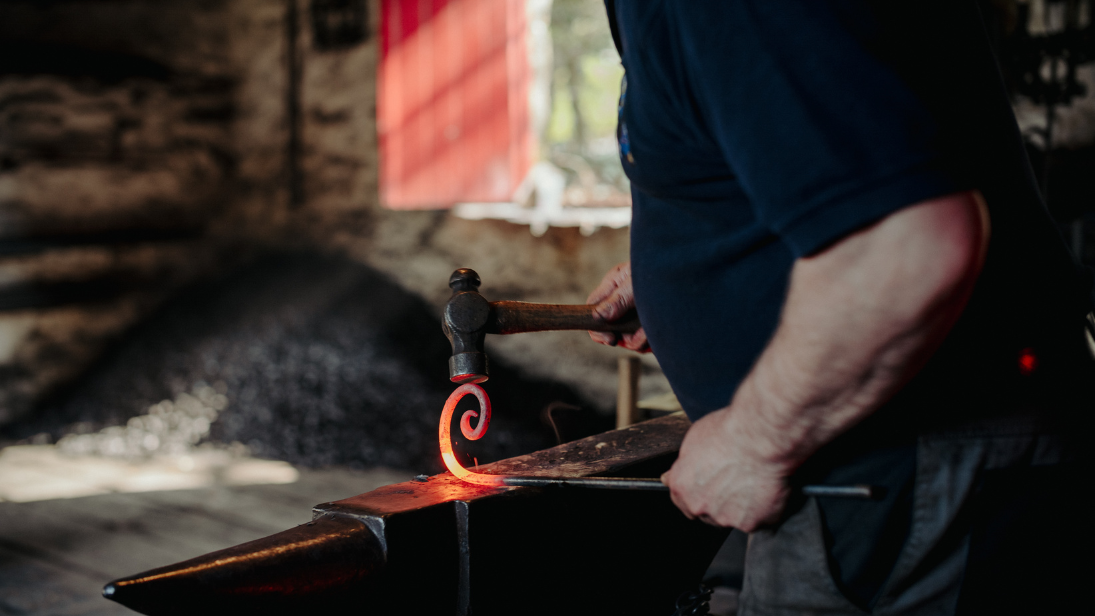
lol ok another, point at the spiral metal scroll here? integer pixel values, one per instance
(469, 433)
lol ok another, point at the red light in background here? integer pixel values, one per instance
(1028, 362)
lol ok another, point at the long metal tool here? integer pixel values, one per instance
(632, 483)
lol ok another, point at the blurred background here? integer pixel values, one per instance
(227, 227)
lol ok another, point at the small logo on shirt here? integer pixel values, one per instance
(621, 128)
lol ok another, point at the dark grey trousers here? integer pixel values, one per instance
(787, 570)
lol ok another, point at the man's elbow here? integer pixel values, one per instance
(949, 239)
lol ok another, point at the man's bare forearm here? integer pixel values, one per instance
(860, 319)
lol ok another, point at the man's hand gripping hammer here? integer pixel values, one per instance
(469, 317)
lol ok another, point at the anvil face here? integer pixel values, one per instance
(446, 547)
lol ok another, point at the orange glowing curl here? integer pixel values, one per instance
(445, 438)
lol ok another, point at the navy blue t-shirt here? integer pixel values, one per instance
(756, 132)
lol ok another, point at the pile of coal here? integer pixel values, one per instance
(311, 359)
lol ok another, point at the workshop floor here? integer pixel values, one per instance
(56, 555)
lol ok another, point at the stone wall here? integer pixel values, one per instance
(115, 153)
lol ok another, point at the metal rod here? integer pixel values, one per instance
(858, 491)
(611, 483)
(631, 483)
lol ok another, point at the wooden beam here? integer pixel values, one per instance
(627, 392)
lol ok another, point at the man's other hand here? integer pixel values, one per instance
(612, 299)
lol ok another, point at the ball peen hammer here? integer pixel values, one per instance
(469, 317)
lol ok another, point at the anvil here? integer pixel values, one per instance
(441, 546)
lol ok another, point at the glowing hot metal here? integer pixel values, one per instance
(445, 438)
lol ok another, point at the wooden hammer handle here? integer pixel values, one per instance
(517, 317)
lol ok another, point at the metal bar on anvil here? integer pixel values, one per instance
(443, 546)
(866, 492)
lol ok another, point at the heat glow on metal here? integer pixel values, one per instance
(445, 438)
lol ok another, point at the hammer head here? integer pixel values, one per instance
(464, 323)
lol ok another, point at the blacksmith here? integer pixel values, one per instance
(842, 261)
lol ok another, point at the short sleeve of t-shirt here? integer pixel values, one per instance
(822, 133)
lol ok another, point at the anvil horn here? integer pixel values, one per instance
(320, 564)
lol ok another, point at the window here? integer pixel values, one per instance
(452, 105)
